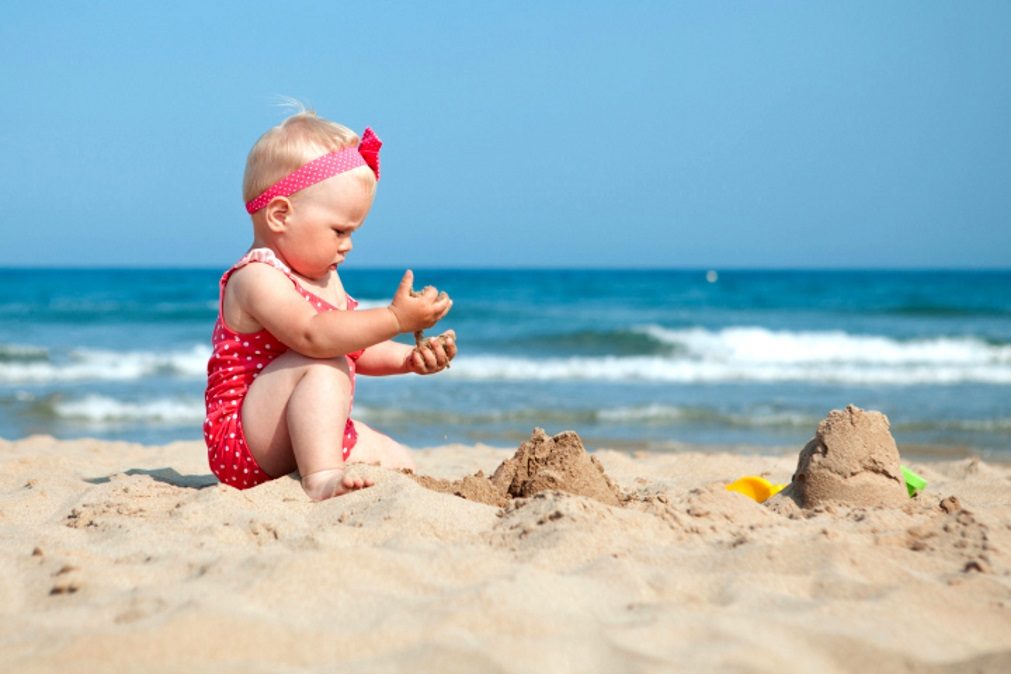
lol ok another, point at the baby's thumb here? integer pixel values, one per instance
(406, 283)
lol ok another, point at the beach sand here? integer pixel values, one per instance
(125, 558)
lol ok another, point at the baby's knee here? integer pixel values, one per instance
(295, 363)
(397, 457)
(337, 364)
(327, 368)
(407, 458)
(377, 448)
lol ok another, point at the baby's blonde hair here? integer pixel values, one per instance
(300, 138)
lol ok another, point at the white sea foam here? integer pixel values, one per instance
(763, 346)
(100, 365)
(751, 354)
(101, 409)
(736, 354)
(656, 413)
(647, 413)
(654, 368)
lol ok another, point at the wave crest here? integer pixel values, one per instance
(101, 365)
(752, 354)
(96, 409)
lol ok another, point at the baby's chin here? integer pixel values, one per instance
(318, 274)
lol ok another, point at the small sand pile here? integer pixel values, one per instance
(474, 487)
(560, 463)
(852, 459)
(541, 463)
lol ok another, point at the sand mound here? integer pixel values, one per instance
(852, 459)
(542, 463)
(557, 463)
(474, 487)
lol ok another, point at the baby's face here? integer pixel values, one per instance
(318, 234)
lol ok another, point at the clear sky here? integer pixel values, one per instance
(577, 134)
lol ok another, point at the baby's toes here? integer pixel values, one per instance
(357, 481)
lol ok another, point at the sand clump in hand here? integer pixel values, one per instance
(852, 459)
(542, 463)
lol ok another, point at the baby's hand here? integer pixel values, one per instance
(433, 355)
(417, 311)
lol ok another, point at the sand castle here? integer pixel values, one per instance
(542, 463)
(852, 459)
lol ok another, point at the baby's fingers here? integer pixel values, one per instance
(418, 362)
(442, 306)
(431, 357)
(406, 283)
(431, 361)
(439, 350)
(449, 344)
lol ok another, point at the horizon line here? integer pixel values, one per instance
(533, 268)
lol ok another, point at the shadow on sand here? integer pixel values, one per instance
(166, 475)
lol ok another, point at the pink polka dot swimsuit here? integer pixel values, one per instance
(236, 360)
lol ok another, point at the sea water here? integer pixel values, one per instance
(629, 359)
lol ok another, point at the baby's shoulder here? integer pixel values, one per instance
(255, 278)
(251, 293)
(255, 270)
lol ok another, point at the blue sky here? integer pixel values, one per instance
(577, 134)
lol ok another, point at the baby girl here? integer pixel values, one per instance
(288, 341)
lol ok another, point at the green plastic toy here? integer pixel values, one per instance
(914, 483)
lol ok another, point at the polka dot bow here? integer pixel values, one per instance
(321, 168)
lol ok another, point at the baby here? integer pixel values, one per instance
(288, 341)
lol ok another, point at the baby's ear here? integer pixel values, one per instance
(276, 214)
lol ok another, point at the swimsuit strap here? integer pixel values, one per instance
(264, 255)
(267, 256)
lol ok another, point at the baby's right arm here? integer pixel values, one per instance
(266, 296)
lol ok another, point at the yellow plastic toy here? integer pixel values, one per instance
(759, 489)
(754, 487)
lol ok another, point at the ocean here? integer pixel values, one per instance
(639, 359)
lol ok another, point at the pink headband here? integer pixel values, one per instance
(321, 168)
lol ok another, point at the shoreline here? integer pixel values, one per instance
(914, 451)
(127, 557)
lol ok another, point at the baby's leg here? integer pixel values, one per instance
(294, 417)
(375, 447)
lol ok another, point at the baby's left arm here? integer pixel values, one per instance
(390, 357)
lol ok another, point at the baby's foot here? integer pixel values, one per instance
(324, 484)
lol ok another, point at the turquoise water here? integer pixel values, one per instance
(628, 358)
